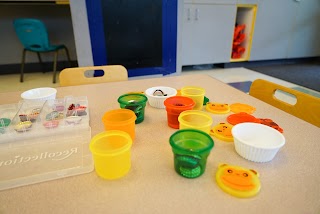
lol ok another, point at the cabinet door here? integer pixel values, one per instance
(207, 33)
(273, 29)
(305, 38)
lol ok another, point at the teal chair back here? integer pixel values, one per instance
(32, 33)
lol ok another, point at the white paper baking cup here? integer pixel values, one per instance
(39, 94)
(257, 142)
(158, 101)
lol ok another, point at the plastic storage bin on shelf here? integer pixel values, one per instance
(35, 149)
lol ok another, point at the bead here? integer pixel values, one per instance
(51, 124)
(23, 126)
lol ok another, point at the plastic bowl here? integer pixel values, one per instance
(257, 142)
(38, 94)
(157, 101)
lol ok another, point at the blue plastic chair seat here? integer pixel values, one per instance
(37, 48)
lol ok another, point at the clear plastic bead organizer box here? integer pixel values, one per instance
(44, 140)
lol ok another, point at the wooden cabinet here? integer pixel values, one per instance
(286, 29)
(207, 33)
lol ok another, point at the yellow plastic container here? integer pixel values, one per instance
(195, 119)
(195, 93)
(120, 119)
(111, 153)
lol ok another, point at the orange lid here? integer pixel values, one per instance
(241, 117)
(179, 102)
(240, 107)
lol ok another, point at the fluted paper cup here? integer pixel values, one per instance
(257, 142)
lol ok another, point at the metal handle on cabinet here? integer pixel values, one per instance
(297, 0)
(197, 14)
(188, 14)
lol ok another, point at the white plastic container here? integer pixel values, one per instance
(257, 142)
(157, 95)
(37, 94)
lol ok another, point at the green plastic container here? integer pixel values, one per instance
(134, 102)
(191, 149)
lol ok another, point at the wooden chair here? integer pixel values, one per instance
(306, 108)
(76, 76)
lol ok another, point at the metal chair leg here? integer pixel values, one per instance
(55, 66)
(40, 60)
(22, 64)
(68, 56)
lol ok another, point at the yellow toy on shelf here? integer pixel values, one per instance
(238, 181)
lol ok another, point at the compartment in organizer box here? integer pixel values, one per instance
(69, 112)
(77, 107)
(7, 113)
(25, 123)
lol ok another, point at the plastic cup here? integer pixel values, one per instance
(111, 153)
(195, 93)
(191, 149)
(120, 119)
(134, 102)
(174, 106)
(195, 119)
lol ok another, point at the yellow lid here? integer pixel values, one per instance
(222, 131)
(217, 108)
(238, 181)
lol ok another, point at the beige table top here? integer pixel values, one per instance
(290, 182)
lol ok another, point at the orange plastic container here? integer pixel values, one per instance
(120, 119)
(111, 153)
(174, 106)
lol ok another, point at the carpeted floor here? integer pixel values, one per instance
(304, 74)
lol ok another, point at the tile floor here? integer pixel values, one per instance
(230, 75)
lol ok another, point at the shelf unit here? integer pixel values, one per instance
(207, 33)
(246, 15)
